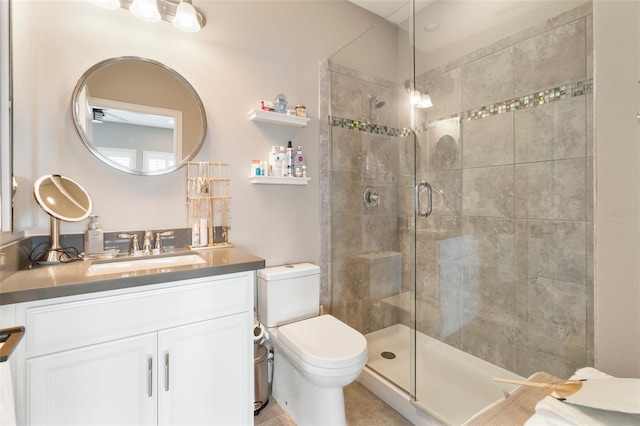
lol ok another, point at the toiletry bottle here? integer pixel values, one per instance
(283, 161)
(281, 103)
(298, 162)
(290, 170)
(272, 161)
(255, 167)
(93, 237)
(277, 167)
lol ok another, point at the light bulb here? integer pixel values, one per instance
(186, 18)
(425, 102)
(414, 97)
(147, 10)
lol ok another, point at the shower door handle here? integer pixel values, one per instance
(426, 213)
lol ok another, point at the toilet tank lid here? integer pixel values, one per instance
(282, 272)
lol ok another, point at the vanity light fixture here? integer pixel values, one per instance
(147, 10)
(186, 18)
(420, 100)
(425, 101)
(180, 13)
(416, 98)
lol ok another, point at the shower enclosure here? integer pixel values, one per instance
(497, 280)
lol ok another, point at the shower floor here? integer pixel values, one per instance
(452, 385)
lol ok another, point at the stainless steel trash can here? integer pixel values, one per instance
(261, 378)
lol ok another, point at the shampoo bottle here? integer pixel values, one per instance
(272, 161)
(299, 162)
(277, 167)
(93, 237)
(283, 161)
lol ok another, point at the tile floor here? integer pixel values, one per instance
(362, 407)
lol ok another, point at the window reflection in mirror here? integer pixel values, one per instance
(138, 115)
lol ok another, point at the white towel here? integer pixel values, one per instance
(551, 412)
(7, 405)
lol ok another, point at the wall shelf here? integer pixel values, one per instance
(278, 180)
(277, 118)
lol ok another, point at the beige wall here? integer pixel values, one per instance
(248, 51)
(617, 182)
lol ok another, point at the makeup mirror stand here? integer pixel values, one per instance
(53, 253)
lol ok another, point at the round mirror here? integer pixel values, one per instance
(138, 116)
(65, 200)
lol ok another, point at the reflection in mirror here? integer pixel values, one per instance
(138, 116)
(62, 199)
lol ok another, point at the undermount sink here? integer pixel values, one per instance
(131, 264)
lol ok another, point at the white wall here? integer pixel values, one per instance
(617, 160)
(247, 51)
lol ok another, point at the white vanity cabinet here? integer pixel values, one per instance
(171, 354)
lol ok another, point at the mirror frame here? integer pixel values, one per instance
(86, 140)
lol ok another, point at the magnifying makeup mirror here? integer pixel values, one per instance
(62, 199)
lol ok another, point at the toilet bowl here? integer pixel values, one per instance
(314, 356)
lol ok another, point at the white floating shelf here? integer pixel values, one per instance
(278, 180)
(277, 118)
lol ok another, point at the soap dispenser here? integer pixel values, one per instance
(93, 237)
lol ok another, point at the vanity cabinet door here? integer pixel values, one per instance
(209, 368)
(105, 384)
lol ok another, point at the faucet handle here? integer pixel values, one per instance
(158, 247)
(134, 249)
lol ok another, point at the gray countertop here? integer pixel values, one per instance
(45, 282)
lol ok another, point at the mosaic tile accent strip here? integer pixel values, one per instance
(532, 100)
(527, 101)
(362, 126)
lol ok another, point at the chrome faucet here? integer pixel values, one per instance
(158, 248)
(147, 247)
(134, 248)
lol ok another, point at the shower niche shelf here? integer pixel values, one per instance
(277, 118)
(278, 180)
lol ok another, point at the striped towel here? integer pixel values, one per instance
(517, 408)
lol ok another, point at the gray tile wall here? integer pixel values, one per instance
(505, 263)
(512, 282)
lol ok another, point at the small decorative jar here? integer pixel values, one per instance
(301, 111)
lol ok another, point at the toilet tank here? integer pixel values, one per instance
(288, 293)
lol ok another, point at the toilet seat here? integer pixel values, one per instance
(324, 342)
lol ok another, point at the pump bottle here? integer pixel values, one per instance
(93, 237)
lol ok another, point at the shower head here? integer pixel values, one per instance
(376, 102)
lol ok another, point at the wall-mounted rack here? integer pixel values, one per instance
(277, 118)
(208, 204)
(278, 180)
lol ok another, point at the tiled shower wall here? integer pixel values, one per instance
(365, 261)
(504, 266)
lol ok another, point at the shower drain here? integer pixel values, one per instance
(388, 355)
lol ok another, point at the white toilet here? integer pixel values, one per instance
(315, 356)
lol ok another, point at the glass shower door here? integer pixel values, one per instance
(372, 182)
